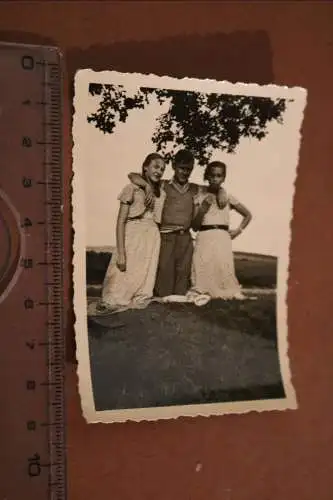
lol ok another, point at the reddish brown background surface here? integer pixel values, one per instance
(269, 456)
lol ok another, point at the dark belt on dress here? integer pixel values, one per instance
(208, 227)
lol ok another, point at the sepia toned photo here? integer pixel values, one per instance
(182, 207)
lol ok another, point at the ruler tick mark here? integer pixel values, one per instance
(45, 96)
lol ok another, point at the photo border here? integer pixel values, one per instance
(82, 79)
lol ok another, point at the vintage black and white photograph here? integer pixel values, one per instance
(182, 208)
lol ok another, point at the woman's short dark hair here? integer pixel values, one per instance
(184, 156)
(212, 165)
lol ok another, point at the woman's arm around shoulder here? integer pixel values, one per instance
(200, 209)
(139, 181)
(200, 191)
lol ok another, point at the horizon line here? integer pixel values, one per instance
(108, 248)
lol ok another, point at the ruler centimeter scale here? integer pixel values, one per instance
(31, 274)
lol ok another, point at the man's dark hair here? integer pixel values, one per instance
(183, 157)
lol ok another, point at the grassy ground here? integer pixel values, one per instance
(179, 354)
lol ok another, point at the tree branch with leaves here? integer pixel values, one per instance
(196, 121)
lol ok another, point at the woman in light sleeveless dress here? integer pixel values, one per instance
(130, 277)
(213, 269)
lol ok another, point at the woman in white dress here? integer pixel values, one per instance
(213, 270)
(130, 278)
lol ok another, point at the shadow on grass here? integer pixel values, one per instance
(178, 354)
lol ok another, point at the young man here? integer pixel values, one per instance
(175, 260)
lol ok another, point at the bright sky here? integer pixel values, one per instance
(260, 175)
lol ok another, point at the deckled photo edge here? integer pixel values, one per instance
(86, 76)
(284, 263)
(82, 80)
(79, 268)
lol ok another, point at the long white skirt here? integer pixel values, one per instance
(213, 269)
(134, 287)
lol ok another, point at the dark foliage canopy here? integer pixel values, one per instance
(196, 121)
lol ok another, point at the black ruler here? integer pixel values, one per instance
(31, 274)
